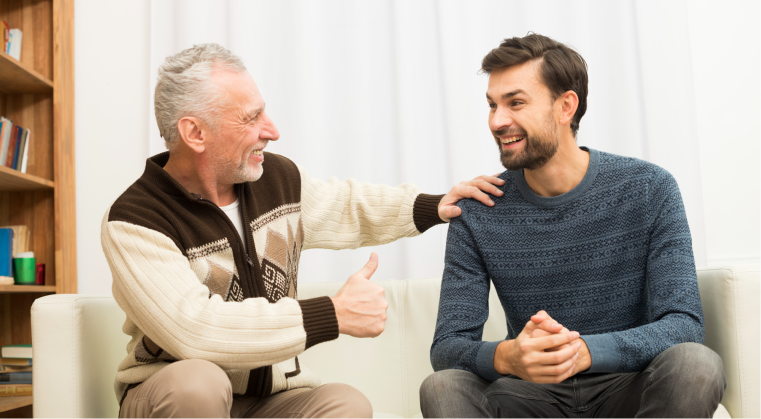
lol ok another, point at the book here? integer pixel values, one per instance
(21, 238)
(10, 390)
(17, 351)
(5, 139)
(6, 35)
(12, 146)
(25, 155)
(17, 153)
(16, 362)
(15, 368)
(6, 254)
(16, 377)
(14, 48)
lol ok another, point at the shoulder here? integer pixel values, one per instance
(615, 166)
(144, 205)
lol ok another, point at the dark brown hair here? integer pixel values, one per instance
(562, 68)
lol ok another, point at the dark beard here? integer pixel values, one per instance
(538, 151)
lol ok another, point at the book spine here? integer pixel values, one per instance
(3, 141)
(7, 390)
(11, 147)
(16, 378)
(17, 151)
(26, 150)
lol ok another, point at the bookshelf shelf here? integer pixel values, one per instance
(13, 180)
(17, 77)
(26, 288)
(10, 403)
(37, 93)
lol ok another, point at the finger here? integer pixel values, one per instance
(494, 180)
(369, 269)
(550, 325)
(487, 184)
(555, 370)
(553, 340)
(475, 193)
(449, 212)
(556, 357)
(540, 317)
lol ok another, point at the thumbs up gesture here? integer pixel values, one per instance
(361, 304)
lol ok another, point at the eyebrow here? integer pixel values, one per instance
(252, 114)
(508, 95)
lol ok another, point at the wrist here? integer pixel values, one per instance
(500, 357)
(584, 362)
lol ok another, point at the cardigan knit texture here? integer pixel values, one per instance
(191, 288)
(611, 259)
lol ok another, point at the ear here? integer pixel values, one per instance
(192, 133)
(567, 104)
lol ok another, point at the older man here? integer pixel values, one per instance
(204, 251)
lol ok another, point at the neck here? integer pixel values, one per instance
(194, 173)
(563, 171)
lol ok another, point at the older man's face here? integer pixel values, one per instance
(244, 129)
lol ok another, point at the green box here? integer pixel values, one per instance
(23, 271)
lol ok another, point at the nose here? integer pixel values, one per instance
(501, 119)
(269, 131)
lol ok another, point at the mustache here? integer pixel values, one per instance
(509, 131)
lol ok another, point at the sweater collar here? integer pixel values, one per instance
(156, 175)
(579, 190)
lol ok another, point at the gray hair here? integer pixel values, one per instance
(184, 88)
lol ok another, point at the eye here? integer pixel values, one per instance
(492, 105)
(517, 103)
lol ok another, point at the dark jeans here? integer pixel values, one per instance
(686, 380)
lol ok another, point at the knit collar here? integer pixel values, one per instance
(579, 190)
(156, 175)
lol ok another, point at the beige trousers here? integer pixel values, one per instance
(197, 388)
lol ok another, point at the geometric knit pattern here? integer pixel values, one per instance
(612, 260)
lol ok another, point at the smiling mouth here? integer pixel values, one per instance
(257, 152)
(511, 139)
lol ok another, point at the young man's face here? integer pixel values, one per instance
(244, 129)
(522, 117)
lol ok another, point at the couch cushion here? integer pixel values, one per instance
(77, 344)
(395, 363)
(730, 298)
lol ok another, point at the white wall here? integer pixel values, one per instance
(113, 51)
(725, 46)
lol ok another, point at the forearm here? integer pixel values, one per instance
(349, 214)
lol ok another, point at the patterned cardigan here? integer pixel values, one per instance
(191, 290)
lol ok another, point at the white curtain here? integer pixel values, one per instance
(389, 92)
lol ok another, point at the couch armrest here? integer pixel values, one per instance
(730, 298)
(77, 347)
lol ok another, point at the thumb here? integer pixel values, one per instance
(529, 328)
(369, 269)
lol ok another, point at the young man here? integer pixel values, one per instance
(591, 257)
(204, 250)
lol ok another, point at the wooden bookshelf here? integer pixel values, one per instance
(13, 180)
(10, 403)
(37, 93)
(26, 288)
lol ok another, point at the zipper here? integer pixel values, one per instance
(249, 266)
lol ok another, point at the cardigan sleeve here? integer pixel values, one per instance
(156, 287)
(347, 214)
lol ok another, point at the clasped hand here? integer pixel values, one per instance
(544, 352)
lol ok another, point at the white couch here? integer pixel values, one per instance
(78, 343)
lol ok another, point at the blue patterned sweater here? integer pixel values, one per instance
(611, 259)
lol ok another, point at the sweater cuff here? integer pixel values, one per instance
(425, 211)
(320, 322)
(485, 361)
(605, 353)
